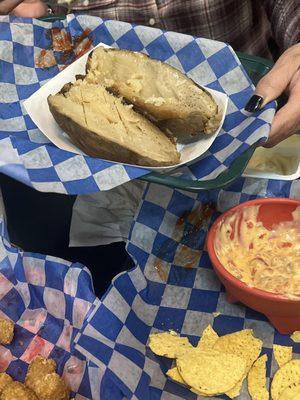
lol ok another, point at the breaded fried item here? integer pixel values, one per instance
(6, 331)
(42, 379)
(50, 387)
(17, 391)
(4, 381)
(40, 366)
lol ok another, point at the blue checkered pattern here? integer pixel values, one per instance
(31, 159)
(49, 300)
(160, 294)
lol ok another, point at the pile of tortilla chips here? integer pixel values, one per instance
(219, 365)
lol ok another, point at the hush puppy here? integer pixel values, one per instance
(50, 387)
(4, 381)
(44, 381)
(17, 391)
(6, 331)
(40, 366)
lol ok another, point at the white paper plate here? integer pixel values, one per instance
(37, 108)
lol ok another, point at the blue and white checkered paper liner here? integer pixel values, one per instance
(26, 154)
(141, 301)
(48, 299)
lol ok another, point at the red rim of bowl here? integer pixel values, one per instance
(228, 276)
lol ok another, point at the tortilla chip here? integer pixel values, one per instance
(244, 345)
(210, 372)
(282, 354)
(208, 338)
(175, 376)
(287, 375)
(257, 380)
(296, 336)
(200, 394)
(292, 392)
(168, 344)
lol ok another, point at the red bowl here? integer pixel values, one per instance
(282, 312)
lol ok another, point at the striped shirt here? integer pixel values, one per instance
(248, 25)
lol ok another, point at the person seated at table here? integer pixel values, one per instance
(248, 25)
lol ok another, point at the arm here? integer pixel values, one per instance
(6, 6)
(24, 8)
(284, 16)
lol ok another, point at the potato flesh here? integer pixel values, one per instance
(130, 137)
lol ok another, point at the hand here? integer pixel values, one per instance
(284, 76)
(30, 9)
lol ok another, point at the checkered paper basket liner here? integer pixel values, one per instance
(48, 299)
(148, 299)
(26, 153)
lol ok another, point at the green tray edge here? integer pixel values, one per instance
(52, 18)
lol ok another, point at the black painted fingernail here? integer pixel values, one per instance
(254, 103)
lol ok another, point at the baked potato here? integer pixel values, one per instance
(164, 94)
(102, 126)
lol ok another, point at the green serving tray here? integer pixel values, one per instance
(256, 67)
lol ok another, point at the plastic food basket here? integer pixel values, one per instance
(256, 67)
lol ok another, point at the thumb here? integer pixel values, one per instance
(275, 82)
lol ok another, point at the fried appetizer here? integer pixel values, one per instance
(45, 382)
(5, 380)
(6, 331)
(17, 391)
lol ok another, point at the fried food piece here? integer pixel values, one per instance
(40, 366)
(175, 376)
(257, 380)
(282, 354)
(17, 391)
(4, 381)
(208, 339)
(291, 392)
(50, 387)
(168, 344)
(44, 381)
(6, 331)
(244, 345)
(210, 372)
(287, 375)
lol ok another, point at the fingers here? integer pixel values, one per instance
(35, 9)
(287, 120)
(277, 80)
(6, 6)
